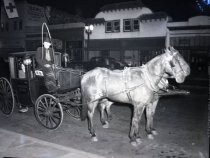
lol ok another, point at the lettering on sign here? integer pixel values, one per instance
(35, 13)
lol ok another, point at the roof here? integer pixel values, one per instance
(156, 15)
(122, 5)
(196, 27)
(20, 54)
(94, 21)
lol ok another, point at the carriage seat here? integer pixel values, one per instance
(57, 79)
(68, 79)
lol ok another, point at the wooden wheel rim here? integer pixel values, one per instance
(48, 111)
(7, 100)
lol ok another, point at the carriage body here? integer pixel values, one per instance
(26, 85)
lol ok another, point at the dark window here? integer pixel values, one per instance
(116, 27)
(15, 25)
(130, 25)
(20, 25)
(136, 24)
(7, 26)
(113, 26)
(127, 25)
(108, 27)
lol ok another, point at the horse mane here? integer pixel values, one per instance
(155, 64)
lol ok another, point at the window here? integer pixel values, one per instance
(7, 26)
(127, 25)
(108, 27)
(130, 25)
(135, 24)
(20, 25)
(116, 27)
(113, 26)
(15, 25)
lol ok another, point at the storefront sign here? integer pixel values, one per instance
(35, 13)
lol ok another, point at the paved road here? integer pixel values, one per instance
(180, 120)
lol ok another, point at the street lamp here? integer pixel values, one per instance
(88, 30)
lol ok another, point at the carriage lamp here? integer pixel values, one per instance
(88, 30)
(27, 61)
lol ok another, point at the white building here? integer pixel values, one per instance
(128, 31)
(192, 39)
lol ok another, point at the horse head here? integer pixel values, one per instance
(175, 65)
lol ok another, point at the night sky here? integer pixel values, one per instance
(177, 9)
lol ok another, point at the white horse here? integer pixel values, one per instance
(137, 86)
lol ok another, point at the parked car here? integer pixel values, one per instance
(94, 62)
(107, 62)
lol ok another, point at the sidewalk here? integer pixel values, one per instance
(20, 146)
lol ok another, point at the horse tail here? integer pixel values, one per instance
(84, 110)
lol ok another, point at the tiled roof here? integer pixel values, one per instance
(94, 21)
(156, 15)
(122, 5)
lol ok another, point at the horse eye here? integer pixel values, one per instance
(172, 64)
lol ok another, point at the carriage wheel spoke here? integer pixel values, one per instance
(50, 102)
(42, 119)
(55, 116)
(46, 103)
(47, 121)
(51, 122)
(6, 97)
(53, 104)
(48, 112)
(42, 113)
(57, 111)
(44, 106)
(3, 85)
(41, 108)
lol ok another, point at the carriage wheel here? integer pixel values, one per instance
(48, 111)
(7, 100)
(74, 111)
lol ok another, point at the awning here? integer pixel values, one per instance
(135, 43)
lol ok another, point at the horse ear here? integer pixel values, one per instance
(175, 53)
(168, 51)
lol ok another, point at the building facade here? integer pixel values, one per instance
(24, 33)
(192, 39)
(127, 31)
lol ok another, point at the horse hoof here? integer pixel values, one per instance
(134, 144)
(106, 125)
(150, 136)
(154, 132)
(138, 141)
(94, 139)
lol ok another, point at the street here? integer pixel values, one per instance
(181, 123)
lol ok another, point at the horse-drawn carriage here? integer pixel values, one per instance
(139, 86)
(27, 88)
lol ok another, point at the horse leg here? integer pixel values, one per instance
(108, 111)
(150, 111)
(135, 132)
(105, 104)
(91, 110)
(102, 107)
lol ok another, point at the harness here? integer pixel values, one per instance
(125, 80)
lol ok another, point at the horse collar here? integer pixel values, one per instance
(147, 79)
